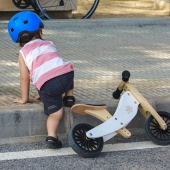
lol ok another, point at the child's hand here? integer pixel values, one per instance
(19, 100)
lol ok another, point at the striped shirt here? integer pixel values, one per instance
(43, 61)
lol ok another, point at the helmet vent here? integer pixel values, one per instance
(16, 18)
(12, 30)
(26, 22)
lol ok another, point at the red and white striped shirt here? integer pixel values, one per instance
(43, 61)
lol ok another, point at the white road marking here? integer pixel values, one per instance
(69, 151)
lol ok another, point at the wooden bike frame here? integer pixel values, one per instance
(102, 114)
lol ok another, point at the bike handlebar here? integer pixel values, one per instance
(125, 78)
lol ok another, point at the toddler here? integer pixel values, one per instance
(40, 62)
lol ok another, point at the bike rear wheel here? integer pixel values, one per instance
(83, 8)
(155, 132)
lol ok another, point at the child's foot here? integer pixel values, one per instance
(68, 101)
(53, 143)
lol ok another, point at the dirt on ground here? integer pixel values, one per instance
(125, 8)
(106, 9)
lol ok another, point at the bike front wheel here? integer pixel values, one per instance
(81, 144)
(81, 8)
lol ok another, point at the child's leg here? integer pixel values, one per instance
(53, 121)
(69, 92)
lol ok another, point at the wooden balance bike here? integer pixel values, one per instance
(87, 141)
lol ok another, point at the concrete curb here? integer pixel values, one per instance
(110, 22)
(103, 22)
(32, 121)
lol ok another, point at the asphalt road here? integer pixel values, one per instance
(136, 153)
(145, 159)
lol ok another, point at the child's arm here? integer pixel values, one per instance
(24, 82)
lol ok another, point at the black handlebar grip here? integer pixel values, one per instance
(116, 94)
(125, 76)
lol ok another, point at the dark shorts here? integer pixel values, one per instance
(51, 92)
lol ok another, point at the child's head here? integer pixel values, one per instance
(24, 26)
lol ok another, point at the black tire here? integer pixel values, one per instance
(154, 131)
(81, 144)
(84, 9)
(21, 4)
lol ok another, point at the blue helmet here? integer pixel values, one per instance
(25, 21)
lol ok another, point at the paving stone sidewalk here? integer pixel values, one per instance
(100, 50)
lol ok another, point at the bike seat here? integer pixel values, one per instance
(81, 108)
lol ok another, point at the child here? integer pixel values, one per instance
(40, 63)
